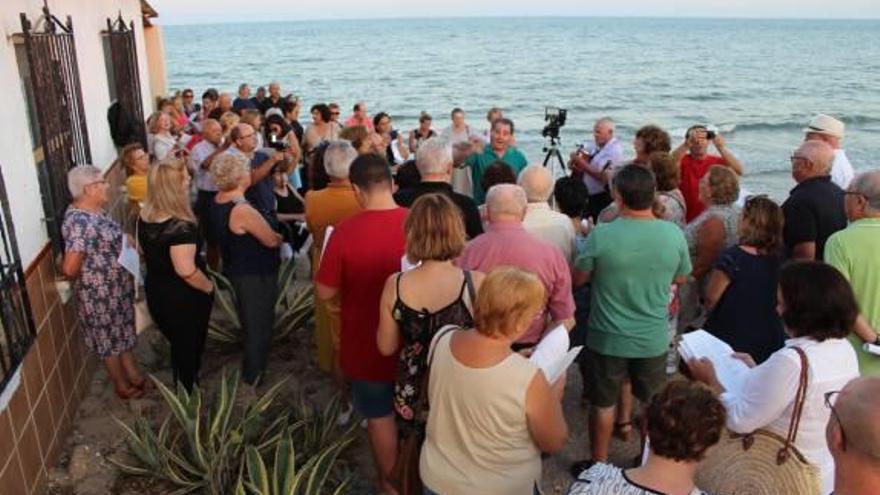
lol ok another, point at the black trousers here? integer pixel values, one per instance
(256, 311)
(182, 317)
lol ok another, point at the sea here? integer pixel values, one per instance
(757, 81)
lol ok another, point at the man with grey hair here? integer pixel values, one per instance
(434, 161)
(814, 210)
(243, 140)
(541, 220)
(831, 131)
(595, 161)
(854, 252)
(507, 243)
(325, 208)
(853, 436)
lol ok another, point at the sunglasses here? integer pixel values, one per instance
(830, 399)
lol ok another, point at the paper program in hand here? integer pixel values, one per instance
(552, 354)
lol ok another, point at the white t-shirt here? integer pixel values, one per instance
(842, 172)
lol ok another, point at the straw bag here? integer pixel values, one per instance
(762, 462)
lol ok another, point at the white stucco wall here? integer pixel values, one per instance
(16, 158)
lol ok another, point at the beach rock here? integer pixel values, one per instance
(84, 462)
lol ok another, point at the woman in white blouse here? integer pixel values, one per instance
(160, 140)
(818, 310)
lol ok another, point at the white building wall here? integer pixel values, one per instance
(16, 158)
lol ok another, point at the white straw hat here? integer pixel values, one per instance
(826, 124)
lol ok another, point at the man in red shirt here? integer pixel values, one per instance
(363, 251)
(694, 160)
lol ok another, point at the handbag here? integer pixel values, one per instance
(762, 462)
(405, 475)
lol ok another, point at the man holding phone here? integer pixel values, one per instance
(694, 160)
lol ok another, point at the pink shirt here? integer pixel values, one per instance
(353, 121)
(509, 244)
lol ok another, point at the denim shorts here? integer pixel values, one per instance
(373, 399)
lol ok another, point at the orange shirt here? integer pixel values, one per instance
(325, 208)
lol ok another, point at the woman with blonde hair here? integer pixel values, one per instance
(160, 141)
(417, 303)
(740, 292)
(227, 121)
(249, 249)
(179, 293)
(492, 410)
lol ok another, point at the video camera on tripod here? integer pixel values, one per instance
(555, 119)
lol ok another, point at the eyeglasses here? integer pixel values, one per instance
(830, 399)
(187, 95)
(794, 158)
(245, 136)
(335, 113)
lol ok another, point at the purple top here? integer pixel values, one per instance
(510, 244)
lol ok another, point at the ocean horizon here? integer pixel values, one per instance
(757, 80)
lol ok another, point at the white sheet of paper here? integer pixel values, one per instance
(700, 344)
(130, 259)
(871, 348)
(552, 354)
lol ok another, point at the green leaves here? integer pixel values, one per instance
(291, 312)
(220, 449)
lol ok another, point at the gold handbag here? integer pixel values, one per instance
(762, 462)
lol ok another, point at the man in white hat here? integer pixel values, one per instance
(830, 130)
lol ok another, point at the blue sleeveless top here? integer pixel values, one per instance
(242, 254)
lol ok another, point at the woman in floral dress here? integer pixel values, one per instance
(417, 303)
(103, 288)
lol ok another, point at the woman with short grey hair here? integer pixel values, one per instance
(103, 288)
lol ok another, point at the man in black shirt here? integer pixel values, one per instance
(434, 161)
(273, 100)
(815, 208)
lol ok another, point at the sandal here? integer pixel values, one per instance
(623, 431)
(129, 393)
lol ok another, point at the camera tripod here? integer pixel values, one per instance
(553, 158)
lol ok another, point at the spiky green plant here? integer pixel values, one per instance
(291, 312)
(211, 448)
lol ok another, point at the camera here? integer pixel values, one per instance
(555, 118)
(710, 135)
(278, 144)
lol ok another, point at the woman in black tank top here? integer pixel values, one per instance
(249, 249)
(417, 303)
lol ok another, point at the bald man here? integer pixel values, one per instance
(541, 220)
(853, 435)
(815, 208)
(273, 99)
(506, 242)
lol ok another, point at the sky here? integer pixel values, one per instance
(211, 11)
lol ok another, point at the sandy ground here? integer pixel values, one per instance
(83, 468)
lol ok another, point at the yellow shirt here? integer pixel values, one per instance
(136, 186)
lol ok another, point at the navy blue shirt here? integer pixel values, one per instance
(261, 194)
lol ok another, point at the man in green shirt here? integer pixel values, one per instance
(500, 148)
(632, 263)
(855, 252)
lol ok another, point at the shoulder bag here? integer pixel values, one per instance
(762, 462)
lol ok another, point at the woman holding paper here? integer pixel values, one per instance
(179, 293)
(492, 411)
(818, 310)
(104, 289)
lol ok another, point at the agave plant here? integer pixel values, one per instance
(291, 312)
(213, 450)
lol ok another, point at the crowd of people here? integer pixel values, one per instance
(440, 259)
